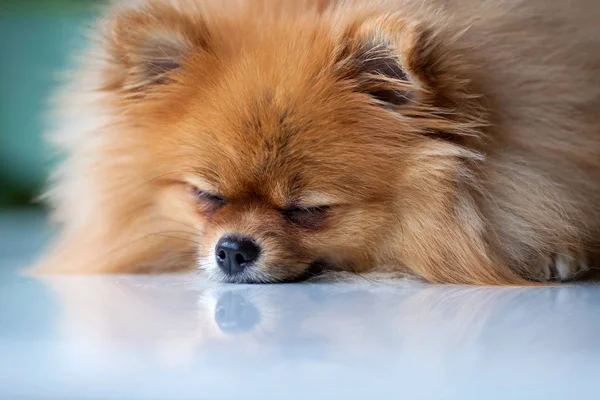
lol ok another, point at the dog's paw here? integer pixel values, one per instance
(566, 266)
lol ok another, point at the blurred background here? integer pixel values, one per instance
(36, 40)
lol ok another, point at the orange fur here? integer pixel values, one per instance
(455, 140)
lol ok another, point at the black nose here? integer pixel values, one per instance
(234, 253)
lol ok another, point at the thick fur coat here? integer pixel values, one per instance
(457, 140)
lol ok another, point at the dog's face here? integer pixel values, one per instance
(293, 143)
(286, 166)
(281, 186)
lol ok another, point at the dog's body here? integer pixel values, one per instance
(457, 140)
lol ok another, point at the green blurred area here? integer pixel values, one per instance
(36, 39)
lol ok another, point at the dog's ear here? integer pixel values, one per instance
(146, 45)
(376, 68)
(411, 68)
(394, 60)
(375, 56)
(380, 73)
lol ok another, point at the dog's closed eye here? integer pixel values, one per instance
(307, 217)
(208, 199)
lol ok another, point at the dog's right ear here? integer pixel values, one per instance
(148, 44)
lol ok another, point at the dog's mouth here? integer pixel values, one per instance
(251, 276)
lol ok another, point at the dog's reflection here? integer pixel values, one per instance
(421, 319)
(235, 314)
(181, 320)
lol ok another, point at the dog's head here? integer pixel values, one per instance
(296, 137)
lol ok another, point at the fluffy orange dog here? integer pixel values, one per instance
(265, 141)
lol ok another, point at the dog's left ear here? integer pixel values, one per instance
(395, 61)
(376, 55)
(414, 69)
(373, 62)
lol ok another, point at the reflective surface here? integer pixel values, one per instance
(180, 337)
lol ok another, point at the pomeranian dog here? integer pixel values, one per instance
(269, 140)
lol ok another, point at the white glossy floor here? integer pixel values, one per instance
(179, 337)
